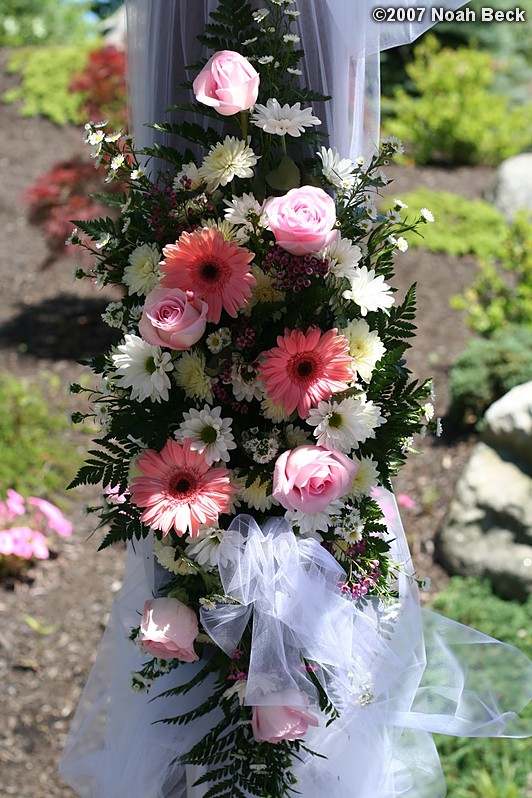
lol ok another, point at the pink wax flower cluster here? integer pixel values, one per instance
(168, 629)
(228, 83)
(26, 526)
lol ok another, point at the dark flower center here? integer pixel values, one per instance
(304, 368)
(210, 271)
(181, 485)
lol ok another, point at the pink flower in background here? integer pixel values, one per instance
(309, 478)
(227, 82)
(405, 501)
(305, 368)
(53, 515)
(179, 489)
(302, 220)
(168, 629)
(173, 318)
(214, 269)
(15, 503)
(285, 721)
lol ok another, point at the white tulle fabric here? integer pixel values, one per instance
(341, 40)
(426, 674)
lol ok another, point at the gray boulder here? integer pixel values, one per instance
(508, 422)
(511, 191)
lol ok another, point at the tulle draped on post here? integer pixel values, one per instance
(430, 675)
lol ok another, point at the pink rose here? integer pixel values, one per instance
(168, 629)
(302, 220)
(173, 318)
(309, 478)
(270, 724)
(228, 83)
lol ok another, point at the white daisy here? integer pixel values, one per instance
(399, 203)
(395, 144)
(225, 161)
(272, 410)
(367, 477)
(343, 425)
(343, 257)
(203, 548)
(426, 215)
(428, 411)
(114, 315)
(142, 273)
(245, 383)
(291, 38)
(311, 524)
(262, 447)
(189, 374)
(265, 59)
(349, 526)
(188, 179)
(165, 555)
(365, 347)
(218, 340)
(207, 433)
(258, 495)
(136, 174)
(247, 211)
(401, 244)
(280, 120)
(371, 293)
(338, 171)
(143, 368)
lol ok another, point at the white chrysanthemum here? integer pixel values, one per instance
(344, 425)
(428, 411)
(226, 160)
(188, 178)
(349, 525)
(395, 144)
(393, 216)
(343, 257)
(338, 171)
(261, 447)
(369, 292)
(136, 174)
(401, 244)
(291, 38)
(207, 433)
(114, 315)
(143, 368)
(218, 340)
(280, 120)
(365, 347)
(311, 524)
(228, 230)
(399, 203)
(258, 495)
(295, 436)
(426, 215)
(203, 549)
(274, 411)
(263, 290)
(247, 211)
(190, 375)
(367, 477)
(245, 384)
(165, 554)
(142, 274)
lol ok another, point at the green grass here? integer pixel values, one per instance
(34, 456)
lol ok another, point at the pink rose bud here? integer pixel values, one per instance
(228, 83)
(168, 629)
(173, 318)
(286, 721)
(302, 220)
(309, 478)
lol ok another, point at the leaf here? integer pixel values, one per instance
(286, 176)
(39, 627)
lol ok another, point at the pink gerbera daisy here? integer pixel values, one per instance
(216, 270)
(178, 488)
(305, 368)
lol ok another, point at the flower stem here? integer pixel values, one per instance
(244, 124)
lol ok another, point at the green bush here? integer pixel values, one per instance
(488, 368)
(453, 114)
(476, 767)
(34, 458)
(24, 22)
(46, 74)
(462, 226)
(502, 292)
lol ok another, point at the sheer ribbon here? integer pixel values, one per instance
(431, 675)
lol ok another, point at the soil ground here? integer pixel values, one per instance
(46, 322)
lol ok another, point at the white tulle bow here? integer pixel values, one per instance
(301, 620)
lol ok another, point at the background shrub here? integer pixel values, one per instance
(43, 21)
(453, 113)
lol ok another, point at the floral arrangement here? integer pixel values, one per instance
(259, 397)
(26, 527)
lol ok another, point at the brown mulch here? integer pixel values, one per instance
(46, 322)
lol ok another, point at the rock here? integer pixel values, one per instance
(508, 422)
(488, 530)
(511, 191)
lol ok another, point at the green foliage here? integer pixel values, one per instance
(34, 459)
(488, 368)
(462, 226)
(475, 767)
(24, 22)
(453, 113)
(46, 73)
(502, 292)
